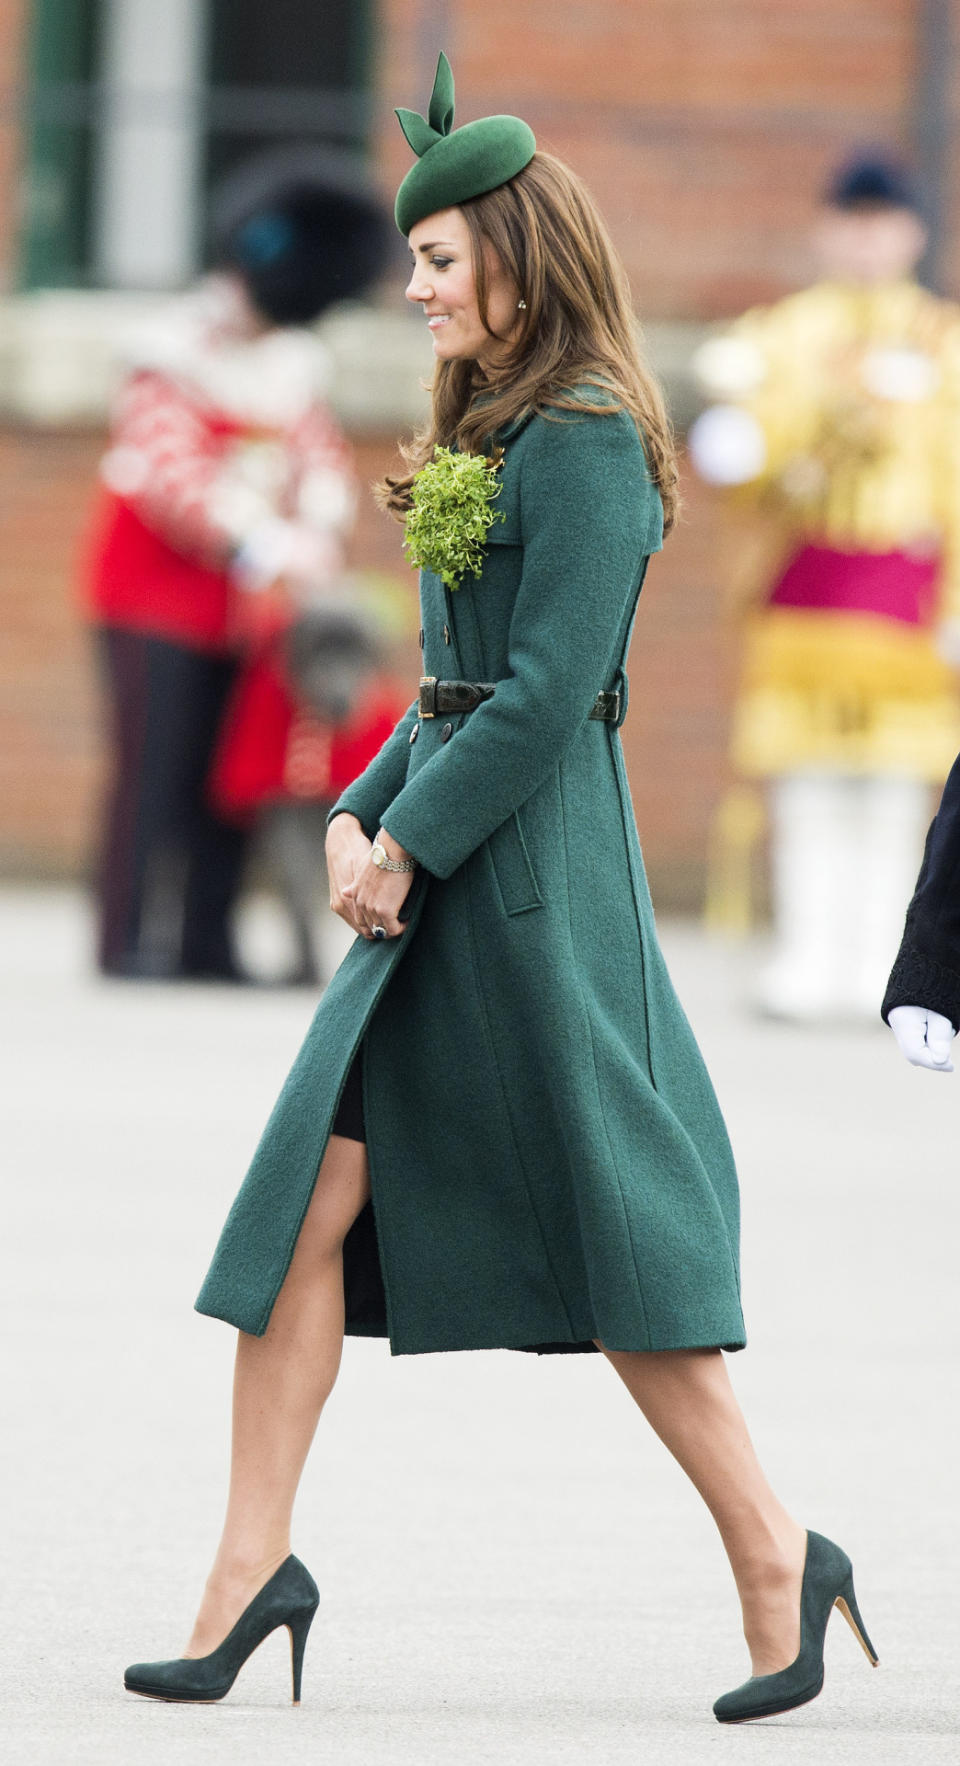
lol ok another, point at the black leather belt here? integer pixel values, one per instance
(440, 696)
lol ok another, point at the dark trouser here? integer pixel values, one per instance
(170, 869)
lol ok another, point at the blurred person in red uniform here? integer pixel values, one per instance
(227, 488)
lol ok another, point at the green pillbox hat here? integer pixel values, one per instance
(455, 164)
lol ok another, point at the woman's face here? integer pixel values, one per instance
(443, 281)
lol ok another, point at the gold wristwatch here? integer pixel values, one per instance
(383, 862)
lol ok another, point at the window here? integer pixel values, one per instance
(137, 106)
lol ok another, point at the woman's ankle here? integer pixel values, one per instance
(239, 1563)
(765, 1551)
(237, 1576)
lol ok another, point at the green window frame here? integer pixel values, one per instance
(58, 144)
(313, 86)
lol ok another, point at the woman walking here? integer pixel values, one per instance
(499, 1132)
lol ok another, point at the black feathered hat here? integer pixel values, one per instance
(875, 180)
(303, 227)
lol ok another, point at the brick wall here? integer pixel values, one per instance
(49, 750)
(13, 15)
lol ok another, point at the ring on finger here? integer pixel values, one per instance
(379, 931)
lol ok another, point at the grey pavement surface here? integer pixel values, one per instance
(512, 1569)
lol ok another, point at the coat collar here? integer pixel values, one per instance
(509, 430)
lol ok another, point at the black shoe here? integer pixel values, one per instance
(289, 1598)
(827, 1583)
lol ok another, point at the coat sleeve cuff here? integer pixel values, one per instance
(424, 844)
(919, 980)
(346, 805)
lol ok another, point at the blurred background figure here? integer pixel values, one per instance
(837, 417)
(226, 500)
(308, 713)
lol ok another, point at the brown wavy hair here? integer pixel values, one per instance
(579, 330)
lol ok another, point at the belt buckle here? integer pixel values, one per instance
(428, 696)
(606, 706)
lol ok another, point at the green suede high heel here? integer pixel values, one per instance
(827, 1583)
(289, 1598)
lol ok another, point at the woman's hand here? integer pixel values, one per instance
(347, 849)
(361, 894)
(377, 896)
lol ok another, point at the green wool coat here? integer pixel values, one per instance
(548, 1162)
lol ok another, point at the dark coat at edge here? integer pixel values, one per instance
(927, 968)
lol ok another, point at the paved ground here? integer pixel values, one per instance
(512, 1570)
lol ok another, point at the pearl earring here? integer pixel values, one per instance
(521, 306)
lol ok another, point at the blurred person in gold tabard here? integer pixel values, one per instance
(835, 415)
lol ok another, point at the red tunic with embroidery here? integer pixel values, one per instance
(156, 554)
(176, 482)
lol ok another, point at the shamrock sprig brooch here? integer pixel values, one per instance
(452, 513)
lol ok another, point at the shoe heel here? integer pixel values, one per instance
(847, 1603)
(299, 1627)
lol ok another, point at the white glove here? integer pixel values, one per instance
(947, 640)
(923, 1036)
(727, 445)
(277, 548)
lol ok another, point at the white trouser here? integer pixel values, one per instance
(845, 852)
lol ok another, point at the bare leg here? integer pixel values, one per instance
(281, 1383)
(687, 1398)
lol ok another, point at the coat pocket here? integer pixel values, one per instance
(515, 875)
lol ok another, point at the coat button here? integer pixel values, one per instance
(414, 733)
(420, 639)
(446, 732)
(446, 634)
